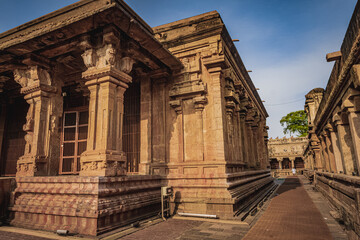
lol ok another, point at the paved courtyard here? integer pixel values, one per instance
(295, 212)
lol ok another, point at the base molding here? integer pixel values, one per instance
(84, 205)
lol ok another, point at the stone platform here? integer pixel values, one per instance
(223, 195)
(84, 205)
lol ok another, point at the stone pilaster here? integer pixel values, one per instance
(336, 150)
(280, 162)
(326, 159)
(250, 136)
(255, 148)
(352, 107)
(345, 142)
(45, 109)
(330, 149)
(106, 78)
(292, 160)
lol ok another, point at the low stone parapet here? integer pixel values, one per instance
(84, 205)
(343, 192)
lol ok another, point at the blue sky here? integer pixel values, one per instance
(284, 42)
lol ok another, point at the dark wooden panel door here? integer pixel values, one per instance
(73, 140)
(14, 142)
(131, 129)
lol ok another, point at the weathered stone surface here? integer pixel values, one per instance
(334, 139)
(85, 205)
(198, 120)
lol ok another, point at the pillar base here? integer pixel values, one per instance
(103, 163)
(84, 205)
(29, 166)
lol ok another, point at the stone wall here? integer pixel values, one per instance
(286, 149)
(214, 122)
(343, 192)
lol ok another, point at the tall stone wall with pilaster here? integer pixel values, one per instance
(215, 122)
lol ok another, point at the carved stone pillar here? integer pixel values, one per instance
(107, 79)
(352, 106)
(230, 107)
(345, 142)
(255, 144)
(330, 150)
(325, 158)
(244, 138)
(292, 160)
(41, 121)
(250, 136)
(239, 141)
(280, 162)
(336, 149)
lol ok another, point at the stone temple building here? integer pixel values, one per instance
(98, 111)
(286, 154)
(334, 130)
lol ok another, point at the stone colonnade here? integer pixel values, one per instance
(291, 159)
(335, 143)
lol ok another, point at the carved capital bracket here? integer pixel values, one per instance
(351, 101)
(176, 105)
(34, 79)
(200, 103)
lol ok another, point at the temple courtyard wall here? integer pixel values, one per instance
(332, 154)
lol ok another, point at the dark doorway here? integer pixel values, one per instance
(131, 129)
(299, 163)
(274, 164)
(14, 142)
(286, 164)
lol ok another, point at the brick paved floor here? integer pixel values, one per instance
(290, 215)
(190, 230)
(17, 236)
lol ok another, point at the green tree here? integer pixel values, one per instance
(295, 122)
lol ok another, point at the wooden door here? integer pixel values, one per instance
(73, 140)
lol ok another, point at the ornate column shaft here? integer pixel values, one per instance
(280, 162)
(292, 160)
(250, 136)
(107, 79)
(330, 149)
(352, 106)
(325, 155)
(336, 149)
(346, 149)
(41, 120)
(244, 138)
